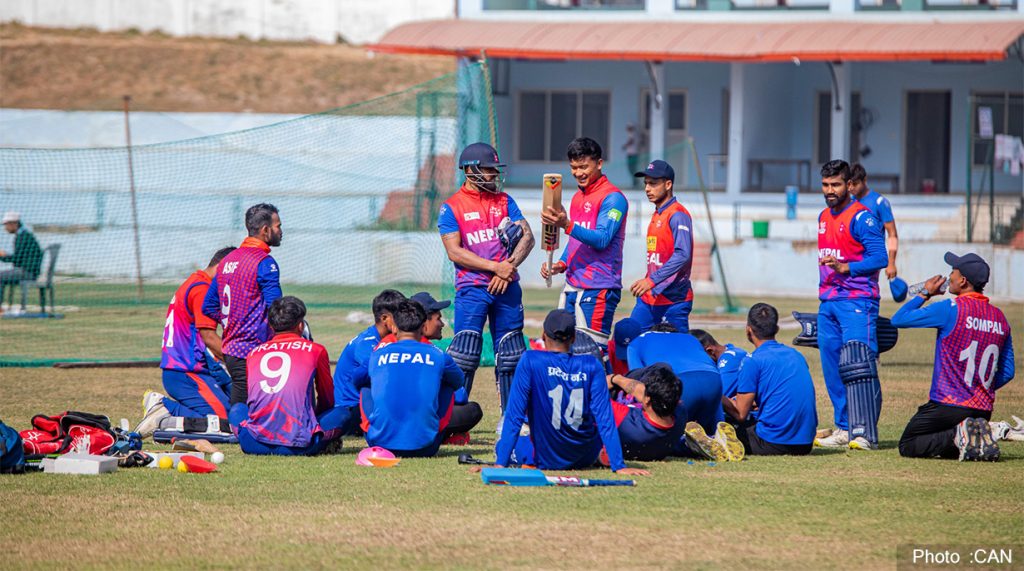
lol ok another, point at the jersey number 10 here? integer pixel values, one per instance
(987, 369)
(573, 412)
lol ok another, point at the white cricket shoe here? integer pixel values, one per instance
(1000, 429)
(839, 439)
(861, 443)
(154, 412)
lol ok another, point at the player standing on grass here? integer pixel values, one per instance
(247, 282)
(564, 397)
(665, 293)
(973, 359)
(851, 251)
(487, 238)
(880, 207)
(191, 358)
(592, 260)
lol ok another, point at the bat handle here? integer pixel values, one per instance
(611, 483)
(551, 261)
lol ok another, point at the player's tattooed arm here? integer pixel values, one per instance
(631, 387)
(525, 245)
(456, 253)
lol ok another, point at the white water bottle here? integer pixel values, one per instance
(918, 288)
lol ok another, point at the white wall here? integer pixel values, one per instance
(357, 21)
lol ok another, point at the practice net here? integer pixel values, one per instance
(358, 188)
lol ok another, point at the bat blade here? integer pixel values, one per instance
(513, 477)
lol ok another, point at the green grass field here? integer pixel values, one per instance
(840, 509)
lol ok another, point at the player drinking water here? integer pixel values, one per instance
(665, 293)
(592, 260)
(487, 238)
(851, 251)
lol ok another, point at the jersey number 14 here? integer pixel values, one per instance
(573, 412)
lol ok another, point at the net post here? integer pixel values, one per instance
(135, 209)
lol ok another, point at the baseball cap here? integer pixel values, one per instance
(481, 155)
(626, 330)
(11, 216)
(430, 305)
(970, 265)
(560, 325)
(657, 169)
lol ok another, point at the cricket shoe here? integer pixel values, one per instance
(154, 412)
(1016, 433)
(700, 442)
(838, 439)
(861, 443)
(989, 448)
(726, 436)
(824, 432)
(1000, 430)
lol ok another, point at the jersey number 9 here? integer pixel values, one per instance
(280, 373)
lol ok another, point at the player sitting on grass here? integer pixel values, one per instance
(409, 405)
(973, 358)
(565, 399)
(353, 364)
(290, 407)
(728, 358)
(654, 429)
(194, 377)
(776, 377)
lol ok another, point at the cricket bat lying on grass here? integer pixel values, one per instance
(527, 477)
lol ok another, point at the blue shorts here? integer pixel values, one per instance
(194, 395)
(330, 421)
(474, 305)
(678, 314)
(702, 399)
(598, 307)
(444, 413)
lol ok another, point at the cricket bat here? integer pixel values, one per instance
(527, 477)
(549, 233)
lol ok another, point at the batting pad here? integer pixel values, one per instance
(166, 436)
(465, 350)
(858, 369)
(510, 349)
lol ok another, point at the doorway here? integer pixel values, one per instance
(926, 142)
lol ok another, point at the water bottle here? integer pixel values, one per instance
(918, 288)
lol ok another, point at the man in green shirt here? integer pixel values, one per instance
(27, 256)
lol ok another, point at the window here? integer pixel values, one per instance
(823, 132)
(548, 120)
(676, 110)
(1007, 119)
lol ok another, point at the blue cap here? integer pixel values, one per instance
(480, 155)
(899, 289)
(971, 266)
(626, 330)
(658, 169)
(430, 305)
(560, 325)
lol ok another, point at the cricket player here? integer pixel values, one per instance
(665, 293)
(652, 429)
(354, 363)
(409, 405)
(246, 283)
(626, 330)
(882, 210)
(564, 398)
(702, 385)
(777, 379)
(433, 327)
(727, 357)
(592, 259)
(289, 409)
(851, 251)
(487, 238)
(973, 359)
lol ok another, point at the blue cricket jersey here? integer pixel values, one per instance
(779, 377)
(878, 205)
(729, 368)
(352, 369)
(681, 351)
(406, 378)
(565, 399)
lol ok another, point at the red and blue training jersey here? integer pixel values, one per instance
(289, 385)
(247, 282)
(183, 349)
(597, 232)
(973, 348)
(476, 216)
(644, 439)
(406, 378)
(669, 255)
(565, 399)
(852, 236)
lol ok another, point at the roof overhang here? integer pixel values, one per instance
(809, 40)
